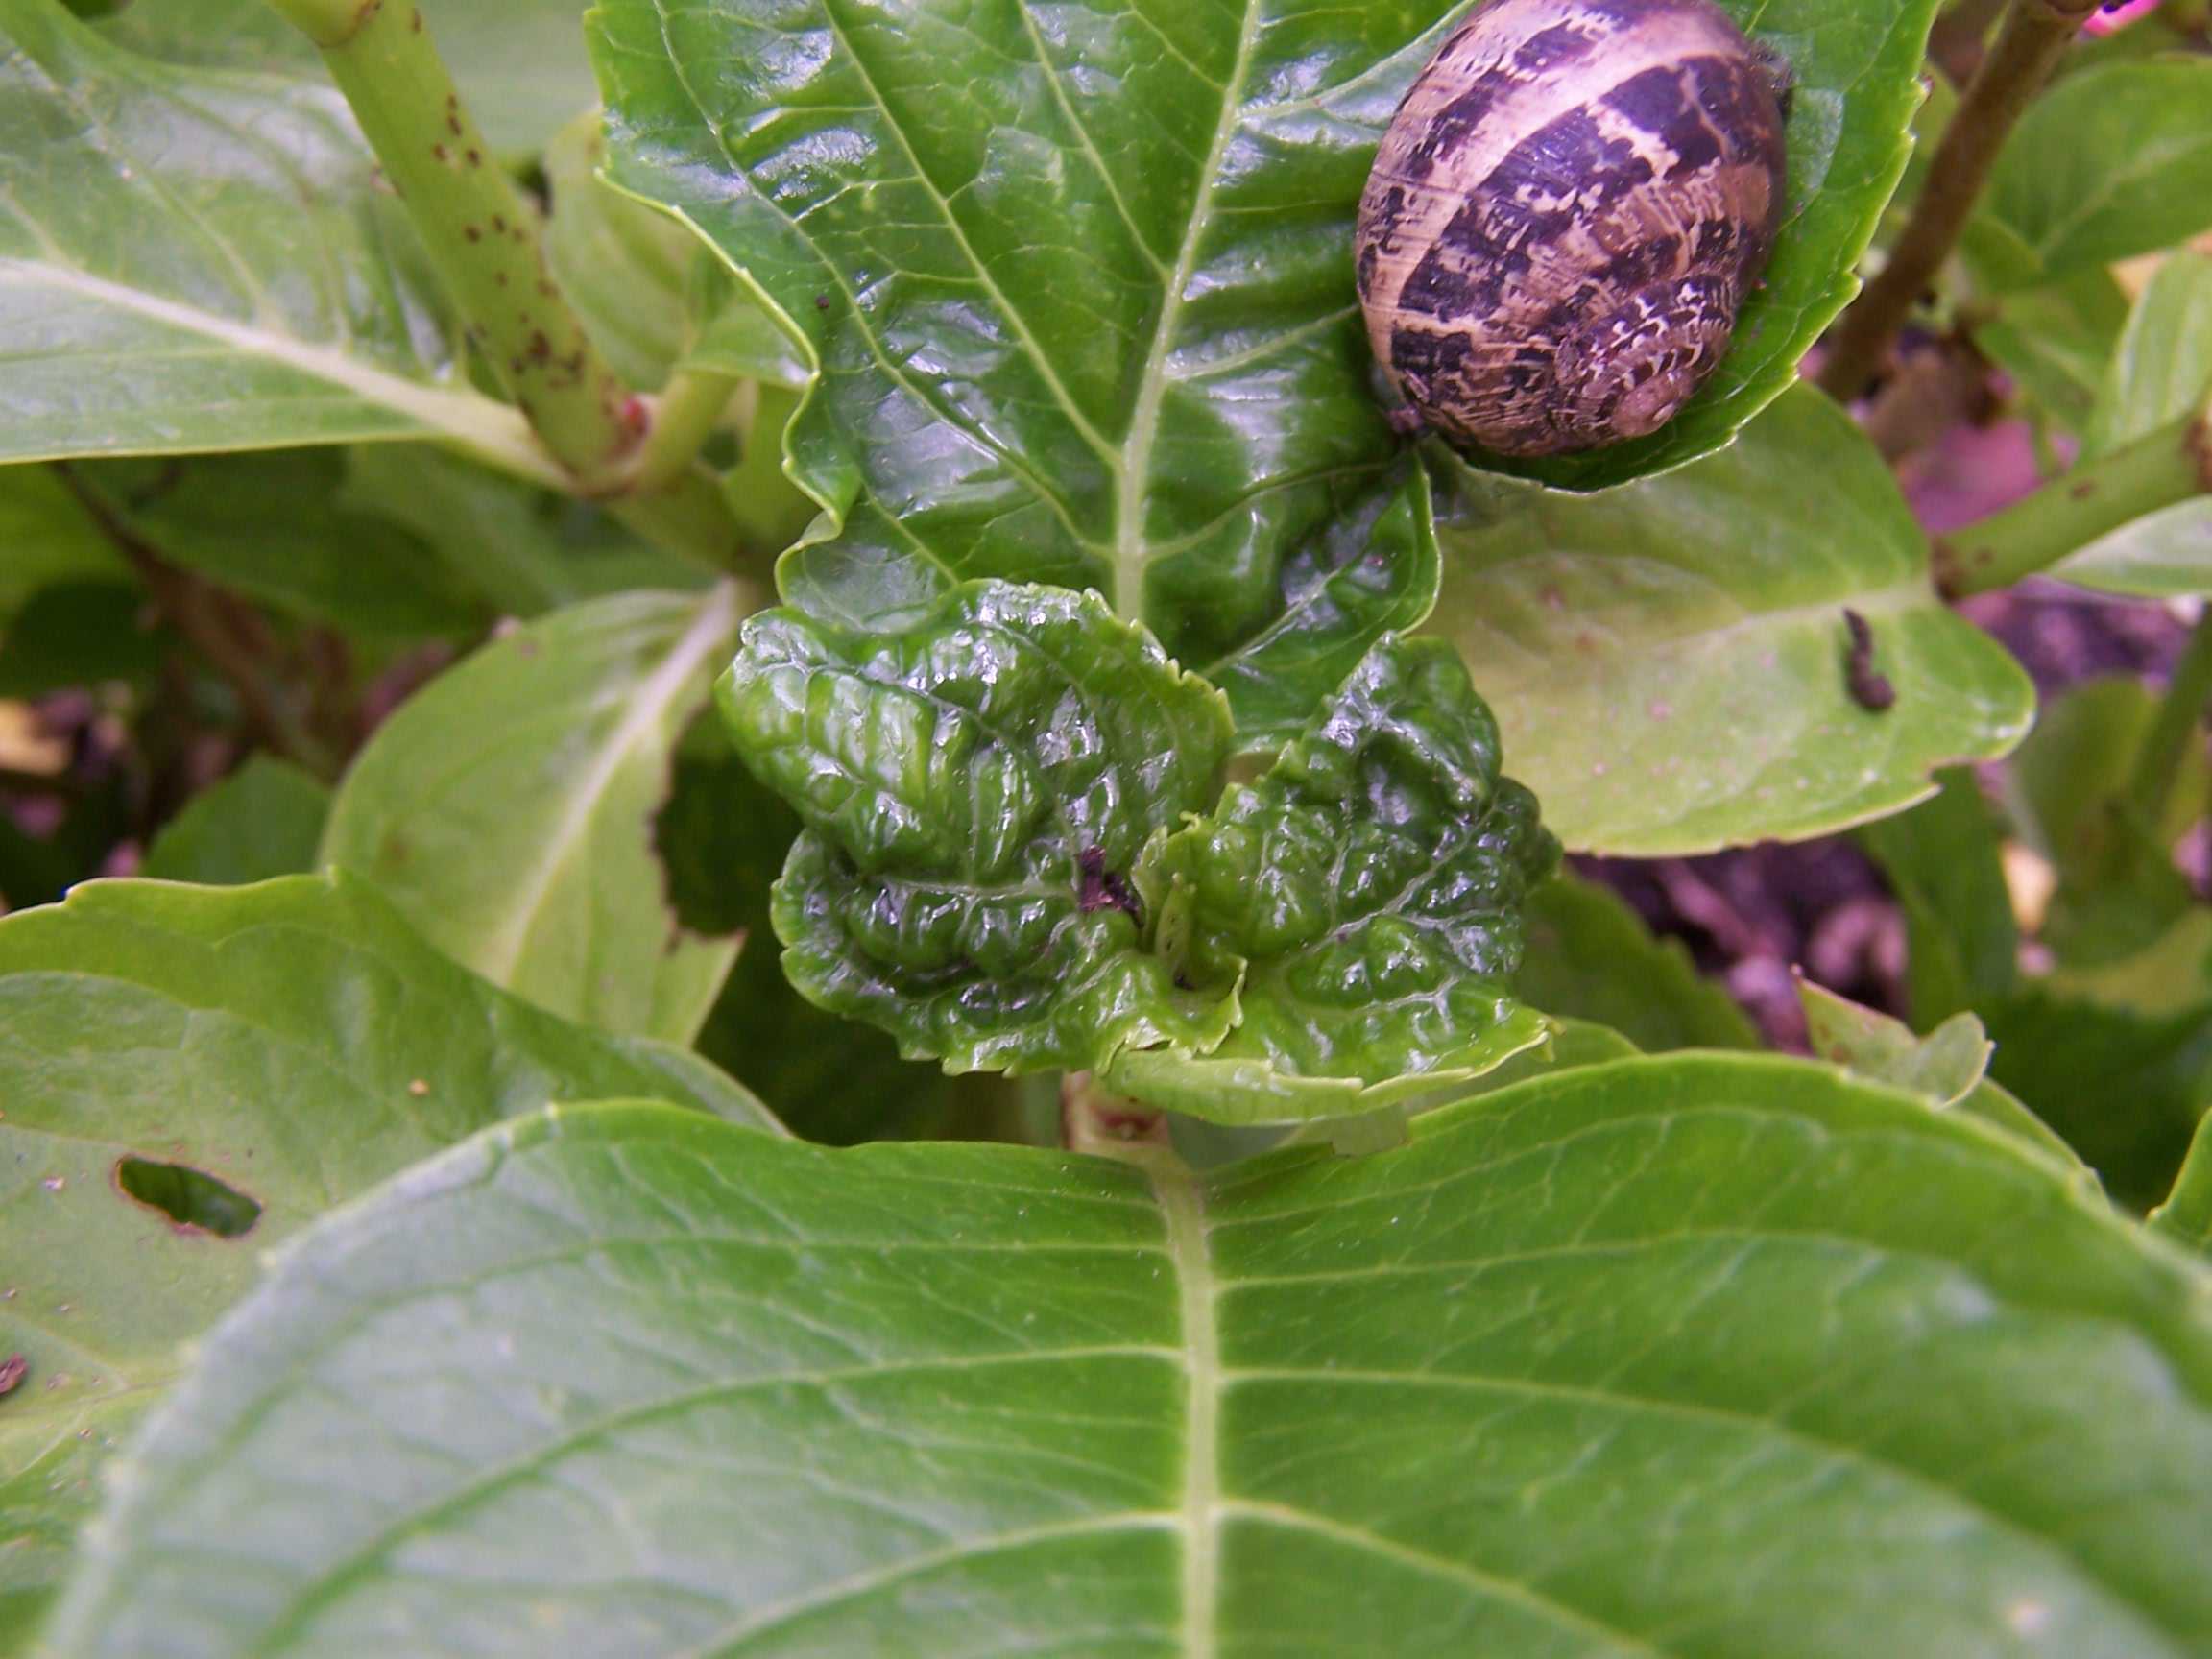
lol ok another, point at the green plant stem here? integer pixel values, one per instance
(682, 417)
(481, 233)
(2180, 715)
(2035, 35)
(2166, 466)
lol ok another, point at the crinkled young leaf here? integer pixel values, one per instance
(294, 1041)
(1366, 894)
(977, 789)
(194, 259)
(1695, 1357)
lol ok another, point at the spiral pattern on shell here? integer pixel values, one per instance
(1565, 216)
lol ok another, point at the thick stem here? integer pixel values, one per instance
(2180, 717)
(481, 233)
(2169, 466)
(2035, 35)
(682, 418)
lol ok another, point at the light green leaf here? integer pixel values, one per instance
(2057, 341)
(520, 63)
(1078, 285)
(1949, 1066)
(198, 260)
(507, 809)
(1667, 659)
(978, 792)
(2162, 555)
(2186, 1215)
(264, 820)
(1591, 958)
(1699, 1355)
(2163, 366)
(1364, 899)
(2107, 164)
(292, 1040)
(1943, 863)
(647, 289)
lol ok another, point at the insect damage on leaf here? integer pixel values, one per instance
(1007, 865)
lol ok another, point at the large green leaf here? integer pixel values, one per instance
(294, 1041)
(2110, 163)
(520, 63)
(1591, 958)
(1078, 282)
(1667, 659)
(197, 259)
(2186, 1215)
(507, 809)
(1667, 1357)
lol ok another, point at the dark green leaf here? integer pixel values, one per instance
(1667, 659)
(294, 1041)
(195, 260)
(50, 539)
(78, 634)
(1684, 1356)
(1943, 862)
(1591, 958)
(1363, 900)
(507, 809)
(264, 820)
(977, 792)
(2107, 164)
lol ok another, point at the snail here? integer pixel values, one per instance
(1565, 216)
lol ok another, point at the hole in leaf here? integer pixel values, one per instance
(189, 1197)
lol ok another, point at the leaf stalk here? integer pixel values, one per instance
(2035, 35)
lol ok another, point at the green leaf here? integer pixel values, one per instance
(293, 1040)
(519, 549)
(2057, 341)
(264, 820)
(2186, 1215)
(646, 288)
(1089, 319)
(1364, 899)
(1949, 1066)
(1591, 958)
(278, 528)
(50, 539)
(1667, 659)
(507, 809)
(976, 791)
(1943, 862)
(78, 634)
(2107, 164)
(1713, 1354)
(2162, 555)
(2124, 1086)
(198, 260)
(2163, 366)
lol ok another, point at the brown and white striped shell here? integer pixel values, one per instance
(1565, 217)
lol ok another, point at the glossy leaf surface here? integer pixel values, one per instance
(1813, 1372)
(507, 809)
(262, 294)
(1667, 661)
(1078, 281)
(976, 793)
(293, 1040)
(1364, 898)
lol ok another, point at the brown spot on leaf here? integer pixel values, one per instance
(11, 1372)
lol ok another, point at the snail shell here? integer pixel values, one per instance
(1565, 216)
